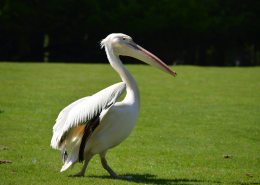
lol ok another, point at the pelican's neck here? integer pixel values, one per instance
(133, 95)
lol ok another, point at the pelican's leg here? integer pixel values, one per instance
(106, 167)
(87, 159)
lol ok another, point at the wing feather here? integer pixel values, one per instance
(82, 111)
(64, 114)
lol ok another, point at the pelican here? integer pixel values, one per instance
(97, 123)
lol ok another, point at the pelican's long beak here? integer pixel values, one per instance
(141, 54)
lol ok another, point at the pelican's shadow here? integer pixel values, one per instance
(150, 179)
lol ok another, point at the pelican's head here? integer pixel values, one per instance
(124, 45)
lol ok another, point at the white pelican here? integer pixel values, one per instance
(98, 122)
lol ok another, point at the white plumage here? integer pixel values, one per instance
(98, 122)
(83, 110)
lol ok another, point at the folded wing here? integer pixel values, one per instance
(72, 120)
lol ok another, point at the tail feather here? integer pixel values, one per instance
(73, 157)
(66, 166)
(64, 156)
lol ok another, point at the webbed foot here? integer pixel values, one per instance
(80, 174)
(125, 177)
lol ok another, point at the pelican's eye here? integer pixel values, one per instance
(124, 38)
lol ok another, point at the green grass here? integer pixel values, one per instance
(185, 124)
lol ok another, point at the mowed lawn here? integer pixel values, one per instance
(186, 124)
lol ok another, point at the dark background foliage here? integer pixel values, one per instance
(196, 32)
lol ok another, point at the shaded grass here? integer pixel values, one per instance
(185, 124)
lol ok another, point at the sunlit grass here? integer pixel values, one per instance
(185, 124)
